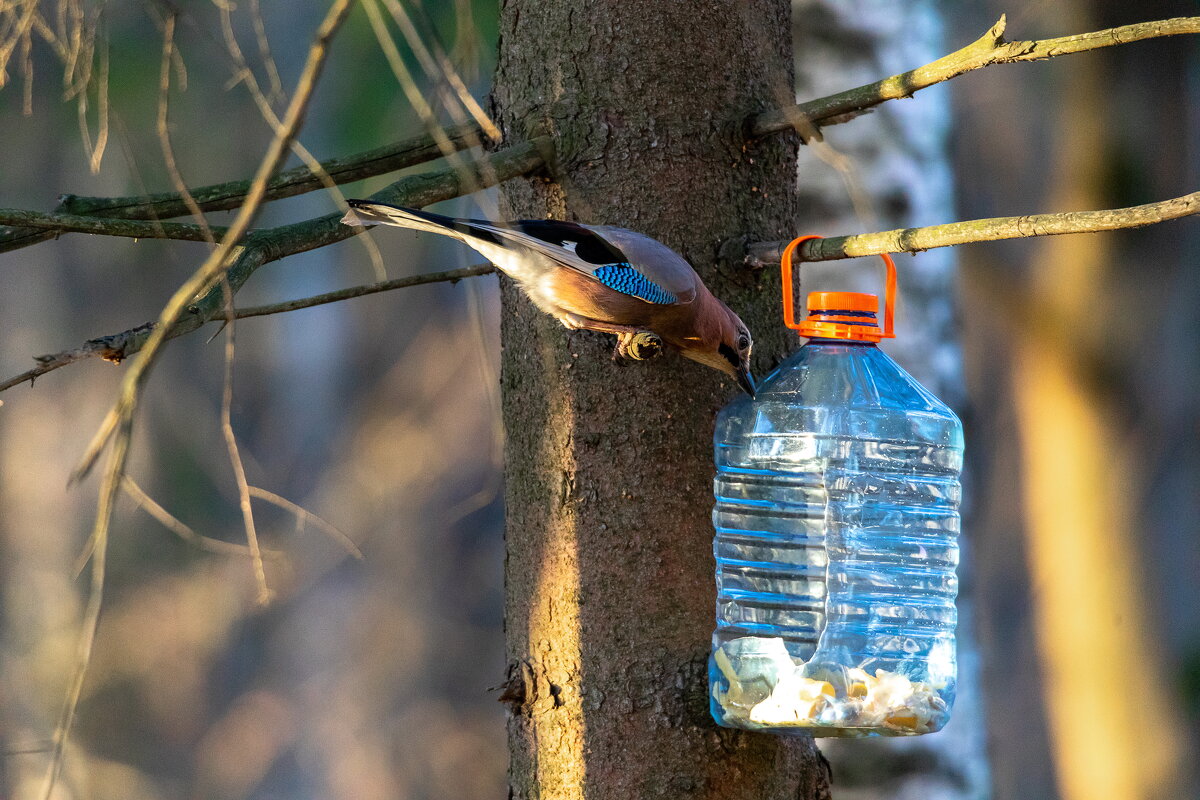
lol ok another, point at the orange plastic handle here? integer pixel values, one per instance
(789, 315)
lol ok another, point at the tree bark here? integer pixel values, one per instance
(610, 592)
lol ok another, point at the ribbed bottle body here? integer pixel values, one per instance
(836, 520)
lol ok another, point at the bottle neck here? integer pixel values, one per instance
(847, 342)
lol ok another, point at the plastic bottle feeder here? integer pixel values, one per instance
(836, 518)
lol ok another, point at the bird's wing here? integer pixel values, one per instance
(622, 260)
(659, 263)
(602, 256)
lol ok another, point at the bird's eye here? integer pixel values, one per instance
(743, 342)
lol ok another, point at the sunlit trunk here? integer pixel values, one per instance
(610, 587)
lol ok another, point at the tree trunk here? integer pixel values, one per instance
(610, 592)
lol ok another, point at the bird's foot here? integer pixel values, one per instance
(632, 343)
(638, 346)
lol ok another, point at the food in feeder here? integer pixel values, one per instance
(836, 517)
(765, 692)
(760, 663)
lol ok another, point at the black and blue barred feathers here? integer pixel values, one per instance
(627, 280)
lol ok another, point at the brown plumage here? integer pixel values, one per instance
(597, 278)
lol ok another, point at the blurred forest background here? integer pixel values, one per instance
(372, 679)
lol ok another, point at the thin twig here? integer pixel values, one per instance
(117, 426)
(95, 152)
(409, 86)
(235, 458)
(246, 77)
(466, 38)
(264, 53)
(264, 246)
(304, 515)
(163, 128)
(48, 747)
(991, 48)
(98, 545)
(116, 347)
(289, 183)
(204, 277)
(913, 240)
(226, 196)
(452, 276)
(180, 528)
(439, 65)
(458, 85)
(461, 106)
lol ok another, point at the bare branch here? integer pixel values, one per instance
(451, 276)
(163, 128)
(110, 348)
(439, 74)
(215, 265)
(912, 240)
(235, 457)
(264, 52)
(412, 92)
(989, 49)
(115, 347)
(267, 112)
(289, 183)
(181, 529)
(133, 229)
(225, 196)
(98, 545)
(527, 158)
(117, 426)
(267, 245)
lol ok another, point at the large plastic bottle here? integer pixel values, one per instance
(836, 520)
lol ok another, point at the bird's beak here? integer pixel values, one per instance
(745, 379)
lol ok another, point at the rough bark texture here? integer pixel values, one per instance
(609, 466)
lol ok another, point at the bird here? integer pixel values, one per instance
(597, 278)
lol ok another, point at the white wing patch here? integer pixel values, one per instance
(570, 246)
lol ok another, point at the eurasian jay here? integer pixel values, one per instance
(598, 278)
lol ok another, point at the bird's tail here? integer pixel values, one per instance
(365, 212)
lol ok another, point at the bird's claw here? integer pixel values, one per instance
(638, 346)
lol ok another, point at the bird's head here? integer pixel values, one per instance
(723, 344)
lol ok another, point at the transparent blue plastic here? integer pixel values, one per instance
(836, 519)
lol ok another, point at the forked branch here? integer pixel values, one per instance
(118, 424)
(264, 246)
(225, 196)
(989, 49)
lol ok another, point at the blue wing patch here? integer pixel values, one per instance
(627, 280)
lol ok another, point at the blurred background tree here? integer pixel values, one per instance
(371, 679)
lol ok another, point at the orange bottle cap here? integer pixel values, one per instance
(842, 301)
(839, 315)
